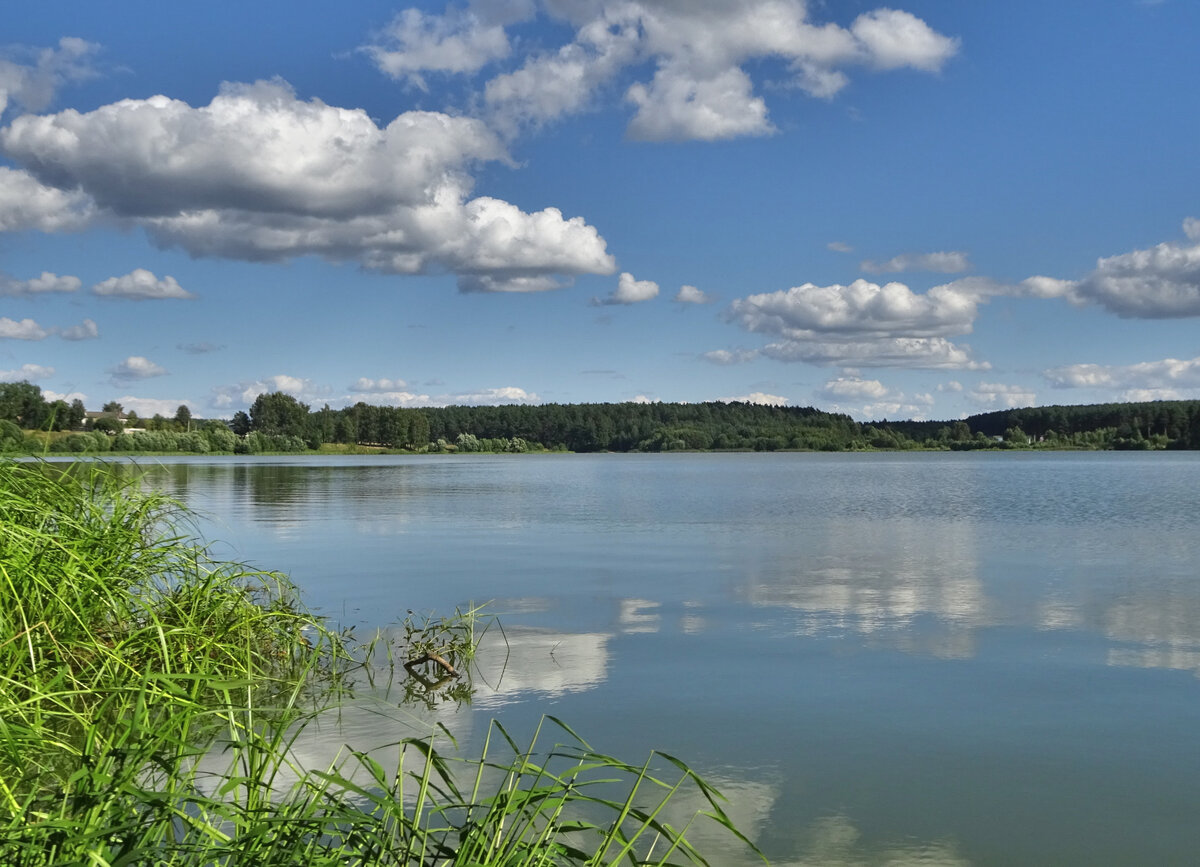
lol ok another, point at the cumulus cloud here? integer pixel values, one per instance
(953, 262)
(261, 175)
(1169, 379)
(871, 399)
(997, 395)
(1160, 283)
(892, 38)
(85, 330)
(930, 353)
(691, 295)
(40, 285)
(839, 247)
(853, 388)
(1191, 228)
(757, 397)
(24, 329)
(141, 285)
(68, 397)
(26, 203)
(862, 309)
(456, 42)
(242, 394)
(31, 77)
(28, 329)
(135, 367)
(490, 397)
(27, 373)
(702, 54)
(730, 356)
(630, 291)
(867, 324)
(678, 106)
(148, 407)
(363, 384)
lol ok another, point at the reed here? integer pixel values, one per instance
(130, 659)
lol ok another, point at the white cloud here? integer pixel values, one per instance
(757, 397)
(242, 394)
(866, 324)
(678, 107)
(457, 42)
(32, 85)
(27, 373)
(1045, 287)
(141, 285)
(730, 356)
(85, 330)
(871, 399)
(260, 175)
(26, 203)
(630, 291)
(641, 398)
(691, 295)
(1159, 283)
(952, 262)
(51, 395)
(997, 395)
(893, 38)
(1191, 228)
(844, 388)
(862, 309)
(1169, 379)
(148, 407)
(399, 398)
(551, 85)
(363, 384)
(702, 53)
(40, 285)
(490, 397)
(929, 353)
(135, 367)
(839, 247)
(950, 386)
(25, 329)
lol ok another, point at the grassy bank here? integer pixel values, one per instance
(131, 662)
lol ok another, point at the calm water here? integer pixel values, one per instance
(881, 659)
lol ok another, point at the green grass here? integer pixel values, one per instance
(132, 664)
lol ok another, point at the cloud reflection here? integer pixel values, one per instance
(890, 582)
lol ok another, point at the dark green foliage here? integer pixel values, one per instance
(623, 427)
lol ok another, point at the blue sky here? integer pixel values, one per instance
(915, 211)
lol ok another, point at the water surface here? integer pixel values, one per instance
(940, 659)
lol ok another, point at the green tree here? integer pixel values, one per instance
(276, 413)
(183, 417)
(113, 406)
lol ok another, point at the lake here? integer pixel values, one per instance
(933, 658)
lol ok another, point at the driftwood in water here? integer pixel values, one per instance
(416, 662)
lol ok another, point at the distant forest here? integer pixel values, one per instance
(277, 422)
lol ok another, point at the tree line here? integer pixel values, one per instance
(278, 422)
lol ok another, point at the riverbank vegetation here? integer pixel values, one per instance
(132, 664)
(278, 423)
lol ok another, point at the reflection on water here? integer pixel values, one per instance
(901, 583)
(835, 842)
(525, 664)
(882, 659)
